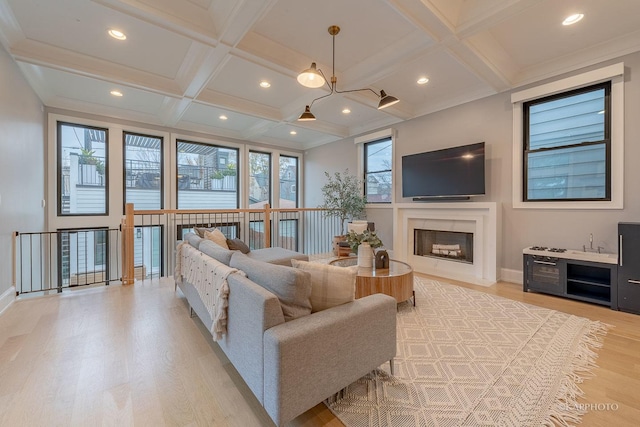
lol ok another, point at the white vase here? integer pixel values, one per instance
(365, 255)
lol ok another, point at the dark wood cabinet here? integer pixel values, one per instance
(587, 281)
(629, 267)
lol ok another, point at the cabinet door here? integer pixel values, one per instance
(629, 267)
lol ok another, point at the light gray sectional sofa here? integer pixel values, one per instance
(292, 365)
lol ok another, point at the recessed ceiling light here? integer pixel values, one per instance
(223, 117)
(422, 80)
(346, 111)
(116, 93)
(117, 34)
(572, 19)
(265, 84)
(293, 132)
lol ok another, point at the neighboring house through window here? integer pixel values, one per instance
(82, 173)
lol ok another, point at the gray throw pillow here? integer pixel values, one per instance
(291, 285)
(238, 245)
(216, 251)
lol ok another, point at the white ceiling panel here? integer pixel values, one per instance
(185, 62)
(81, 26)
(210, 116)
(537, 35)
(63, 89)
(241, 78)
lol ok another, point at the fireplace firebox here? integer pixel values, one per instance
(450, 245)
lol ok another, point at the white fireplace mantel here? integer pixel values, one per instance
(480, 218)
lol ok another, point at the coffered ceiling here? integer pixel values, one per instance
(185, 63)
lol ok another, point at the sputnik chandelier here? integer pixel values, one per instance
(314, 78)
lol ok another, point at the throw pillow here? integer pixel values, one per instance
(238, 245)
(290, 285)
(330, 285)
(200, 231)
(216, 236)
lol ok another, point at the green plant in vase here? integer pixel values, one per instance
(356, 239)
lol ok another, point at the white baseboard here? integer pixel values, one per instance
(511, 276)
(7, 298)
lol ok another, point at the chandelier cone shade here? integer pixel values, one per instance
(311, 77)
(314, 78)
(307, 116)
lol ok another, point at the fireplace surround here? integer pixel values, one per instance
(477, 218)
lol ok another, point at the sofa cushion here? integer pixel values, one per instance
(291, 286)
(278, 256)
(193, 239)
(238, 245)
(216, 251)
(216, 236)
(330, 285)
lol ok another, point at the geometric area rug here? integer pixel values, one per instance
(467, 358)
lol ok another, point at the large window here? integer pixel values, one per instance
(83, 172)
(143, 177)
(259, 179)
(288, 182)
(567, 146)
(378, 170)
(207, 176)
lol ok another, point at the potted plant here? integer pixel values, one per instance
(356, 239)
(344, 199)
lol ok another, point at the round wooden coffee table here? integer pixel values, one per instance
(395, 281)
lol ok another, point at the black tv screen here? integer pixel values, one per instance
(452, 172)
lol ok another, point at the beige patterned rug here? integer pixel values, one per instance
(466, 358)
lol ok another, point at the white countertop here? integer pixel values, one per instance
(575, 254)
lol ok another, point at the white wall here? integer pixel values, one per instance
(22, 165)
(490, 120)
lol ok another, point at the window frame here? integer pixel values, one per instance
(297, 179)
(270, 174)
(124, 166)
(366, 171)
(59, 213)
(613, 73)
(606, 141)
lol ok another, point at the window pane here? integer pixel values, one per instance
(378, 175)
(147, 249)
(259, 179)
(566, 121)
(288, 182)
(567, 173)
(207, 176)
(143, 171)
(82, 177)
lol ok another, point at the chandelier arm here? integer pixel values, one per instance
(358, 90)
(319, 98)
(326, 81)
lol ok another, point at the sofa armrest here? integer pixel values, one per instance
(310, 358)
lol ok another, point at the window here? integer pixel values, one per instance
(83, 172)
(288, 182)
(567, 146)
(207, 176)
(143, 177)
(259, 179)
(378, 171)
(563, 178)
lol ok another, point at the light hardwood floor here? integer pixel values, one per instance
(132, 356)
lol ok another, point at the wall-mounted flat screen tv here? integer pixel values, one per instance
(451, 172)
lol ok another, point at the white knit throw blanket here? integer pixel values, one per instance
(209, 277)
